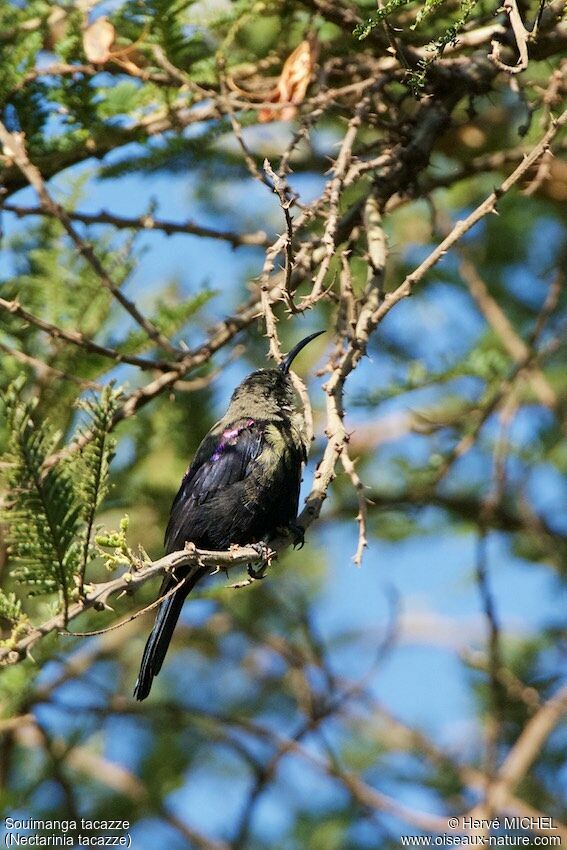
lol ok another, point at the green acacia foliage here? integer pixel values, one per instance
(50, 507)
(43, 513)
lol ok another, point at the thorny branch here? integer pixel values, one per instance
(14, 148)
(98, 596)
(522, 36)
(147, 222)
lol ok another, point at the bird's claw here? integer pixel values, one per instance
(293, 530)
(297, 535)
(260, 573)
(265, 554)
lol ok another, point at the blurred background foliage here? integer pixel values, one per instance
(325, 707)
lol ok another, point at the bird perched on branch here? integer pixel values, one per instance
(242, 487)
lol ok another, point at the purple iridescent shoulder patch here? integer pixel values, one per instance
(229, 437)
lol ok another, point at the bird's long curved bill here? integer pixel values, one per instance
(285, 364)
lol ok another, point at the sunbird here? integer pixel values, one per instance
(241, 488)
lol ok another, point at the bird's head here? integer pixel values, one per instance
(267, 393)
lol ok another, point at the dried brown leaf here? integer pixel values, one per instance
(293, 82)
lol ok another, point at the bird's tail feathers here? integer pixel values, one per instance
(160, 636)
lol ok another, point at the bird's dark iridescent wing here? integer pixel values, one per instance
(228, 461)
(223, 458)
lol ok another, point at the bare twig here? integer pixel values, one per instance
(81, 341)
(334, 194)
(525, 751)
(97, 598)
(513, 343)
(485, 208)
(286, 201)
(14, 147)
(522, 36)
(148, 222)
(44, 370)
